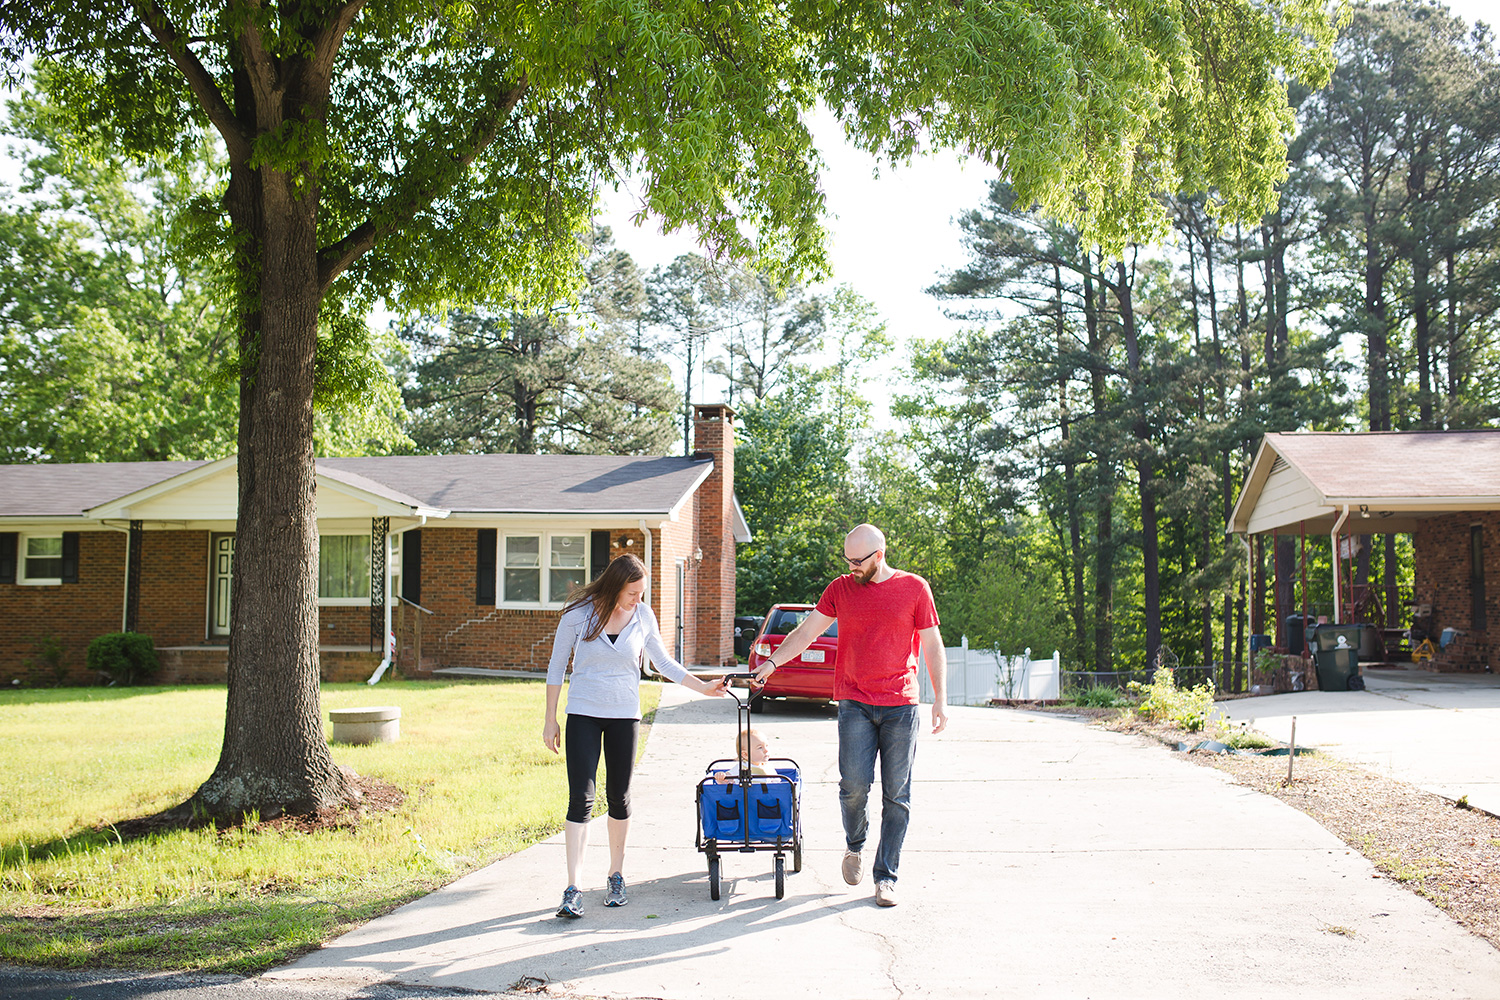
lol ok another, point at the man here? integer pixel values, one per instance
(884, 615)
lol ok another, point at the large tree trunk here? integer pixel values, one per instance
(1070, 482)
(275, 758)
(1145, 465)
(1104, 484)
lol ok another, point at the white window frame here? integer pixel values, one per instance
(544, 538)
(342, 602)
(392, 569)
(21, 560)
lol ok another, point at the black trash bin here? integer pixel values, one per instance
(1296, 634)
(1335, 667)
(744, 634)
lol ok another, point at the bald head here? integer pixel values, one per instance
(864, 538)
(864, 551)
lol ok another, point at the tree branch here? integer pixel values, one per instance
(404, 204)
(326, 44)
(199, 80)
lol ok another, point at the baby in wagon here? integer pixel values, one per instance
(755, 755)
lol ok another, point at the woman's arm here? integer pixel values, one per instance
(551, 731)
(669, 667)
(562, 648)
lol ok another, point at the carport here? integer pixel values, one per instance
(1441, 487)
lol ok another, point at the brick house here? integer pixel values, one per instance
(467, 559)
(1440, 487)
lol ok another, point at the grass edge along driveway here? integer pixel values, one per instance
(478, 785)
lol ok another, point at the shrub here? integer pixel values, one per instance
(1242, 737)
(1100, 697)
(49, 655)
(1163, 701)
(127, 657)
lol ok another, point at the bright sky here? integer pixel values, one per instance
(889, 237)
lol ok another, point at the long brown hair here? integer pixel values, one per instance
(603, 592)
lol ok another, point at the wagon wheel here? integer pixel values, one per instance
(797, 853)
(713, 878)
(780, 876)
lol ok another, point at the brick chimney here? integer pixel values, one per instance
(713, 437)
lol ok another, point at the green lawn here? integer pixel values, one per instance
(478, 781)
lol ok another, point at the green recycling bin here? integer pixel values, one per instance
(1335, 667)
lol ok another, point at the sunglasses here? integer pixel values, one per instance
(857, 563)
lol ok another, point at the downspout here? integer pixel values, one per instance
(1333, 537)
(647, 532)
(125, 593)
(1249, 600)
(385, 663)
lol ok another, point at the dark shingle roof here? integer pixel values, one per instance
(69, 490)
(549, 484)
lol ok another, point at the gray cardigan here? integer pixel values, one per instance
(607, 675)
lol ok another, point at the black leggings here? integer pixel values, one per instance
(585, 736)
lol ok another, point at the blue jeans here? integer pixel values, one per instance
(865, 731)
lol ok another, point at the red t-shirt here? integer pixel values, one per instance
(878, 643)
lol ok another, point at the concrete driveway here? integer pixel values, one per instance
(1440, 732)
(1045, 858)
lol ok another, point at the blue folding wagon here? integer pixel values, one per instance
(751, 812)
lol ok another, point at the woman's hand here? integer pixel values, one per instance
(716, 690)
(552, 735)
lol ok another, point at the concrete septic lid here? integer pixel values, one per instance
(383, 713)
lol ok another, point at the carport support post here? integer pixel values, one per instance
(1285, 644)
(1338, 586)
(1302, 528)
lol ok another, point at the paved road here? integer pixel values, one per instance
(1046, 859)
(1436, 731)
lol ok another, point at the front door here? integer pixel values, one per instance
(681, 597)
(220, 573)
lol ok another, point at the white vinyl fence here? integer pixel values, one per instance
(977, 676)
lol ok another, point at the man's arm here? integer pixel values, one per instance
(937, 672)
(814, 625)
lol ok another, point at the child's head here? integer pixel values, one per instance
(758, 746)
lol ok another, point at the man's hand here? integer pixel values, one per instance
(939, 718)
(766, 669)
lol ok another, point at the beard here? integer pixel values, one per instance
(865, 573)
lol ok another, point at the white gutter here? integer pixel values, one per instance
(1333, 537)
(125, 590)
(385, 640)
(645, 530)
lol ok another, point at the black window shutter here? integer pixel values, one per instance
(411, 566)
(70, 557)
(8, 556)
(599, 552)
(484, 579)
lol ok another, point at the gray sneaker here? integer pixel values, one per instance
(853, 867)
(885, 893)
(616, 894)
(572, 904)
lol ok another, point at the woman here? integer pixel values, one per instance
(605, 630)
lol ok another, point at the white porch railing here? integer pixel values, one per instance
(978, 676)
